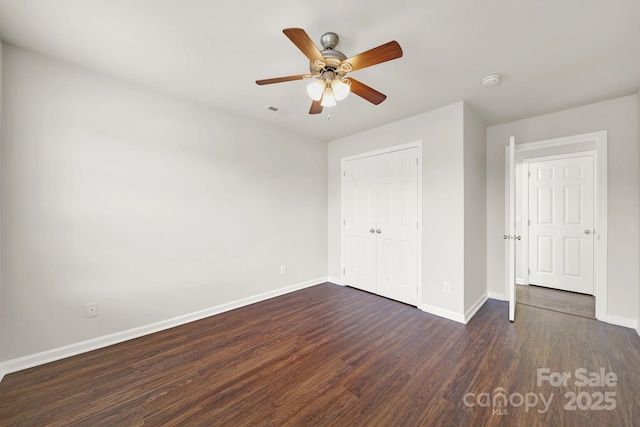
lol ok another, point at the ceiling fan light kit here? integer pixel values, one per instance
(328, 99)
(315, 89)
(341, 88)
(328, 85)
(329, 68)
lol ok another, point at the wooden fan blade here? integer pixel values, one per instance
(316, 108)
(377, 55)
(281, 79)
(364, 91)
(301, 39)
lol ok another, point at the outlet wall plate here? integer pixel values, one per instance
(91, 310)
(446, 288)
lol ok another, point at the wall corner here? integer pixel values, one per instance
(1, 203)
(474, 208)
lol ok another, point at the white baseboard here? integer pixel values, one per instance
(336, 281)
(621, 321)
(475, 307)
(457, 317)
(519, 281)
(638, 330)
(37, 359)
(496, 295)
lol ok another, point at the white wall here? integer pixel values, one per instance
(1, 328)
(620, 118)
(475, 210)
(152, 207)
(441, 131)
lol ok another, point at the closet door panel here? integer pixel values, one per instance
(359, 194)
(397, 220)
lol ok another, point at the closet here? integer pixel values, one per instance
(380, 224)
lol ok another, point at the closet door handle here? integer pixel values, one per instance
(372, 230)
(378, 231)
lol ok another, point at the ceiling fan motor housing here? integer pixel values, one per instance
(329, 41)
(333, 57)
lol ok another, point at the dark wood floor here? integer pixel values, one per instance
(557, 300)
(330, 355)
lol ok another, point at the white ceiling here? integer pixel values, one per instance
(553, 54)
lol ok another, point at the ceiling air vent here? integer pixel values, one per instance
(277, 110)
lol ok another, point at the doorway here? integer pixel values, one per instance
(576, 260)
(556, 300)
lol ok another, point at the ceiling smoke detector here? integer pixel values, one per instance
(491, 80)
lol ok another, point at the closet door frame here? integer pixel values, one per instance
(417, 145)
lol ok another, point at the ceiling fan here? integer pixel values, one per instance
(329, 68)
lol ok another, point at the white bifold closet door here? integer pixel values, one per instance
(380, 246)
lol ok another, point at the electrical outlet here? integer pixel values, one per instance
(447, 288)
(283, 269)
(91, 309)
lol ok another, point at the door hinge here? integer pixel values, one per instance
(416, 161)
(529, 174)
(528, 271)
(529, 222)
(344, 271)
(344, 222)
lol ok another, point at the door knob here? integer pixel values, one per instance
(587, 231)
(372, 230)
(378, 231)
(518, 237)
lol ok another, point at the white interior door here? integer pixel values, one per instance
(561, 206)
(380, 205)
(359, 189)
(396, 229)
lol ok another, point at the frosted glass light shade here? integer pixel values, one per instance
(340, 89)
(328, 100)
(315, 89)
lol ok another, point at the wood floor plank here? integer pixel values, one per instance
(557, 300)
(330, 355)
